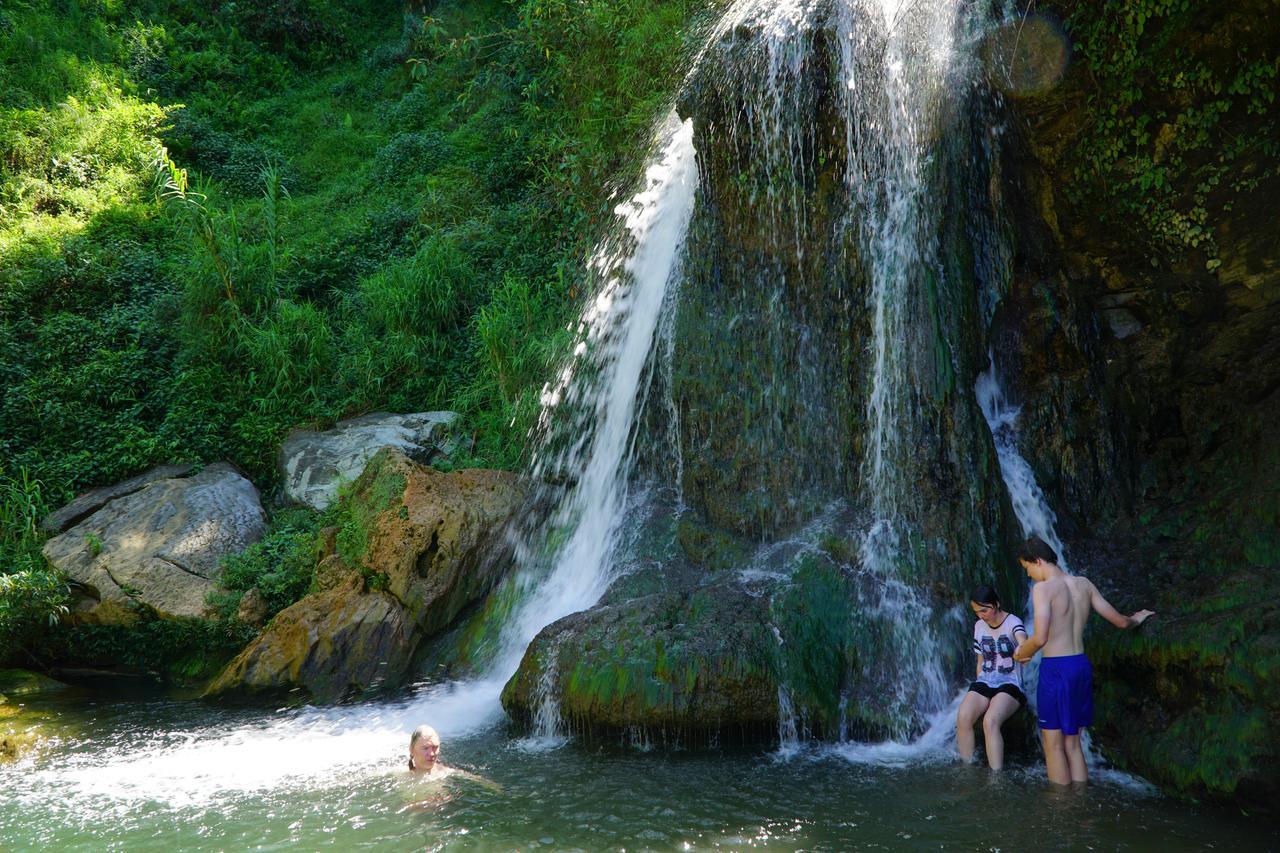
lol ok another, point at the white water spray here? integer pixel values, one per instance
(617, 335)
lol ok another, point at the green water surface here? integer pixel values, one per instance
(165, 775)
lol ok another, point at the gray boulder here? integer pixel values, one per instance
(95, 499)
(158, 550)
(316, 464)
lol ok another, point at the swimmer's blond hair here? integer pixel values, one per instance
(420, 733)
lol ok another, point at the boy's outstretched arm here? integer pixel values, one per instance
(1115, 617)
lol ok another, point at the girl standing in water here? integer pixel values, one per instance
(996, 692)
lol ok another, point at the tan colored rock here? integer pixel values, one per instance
(158, 550)
(427, 542)
(332, 645)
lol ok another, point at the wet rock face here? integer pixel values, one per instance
(414, 547)
(764, 342)
(1192, 700)
(158, 551)
(1150, 380)
(316, 464)
(773, 347)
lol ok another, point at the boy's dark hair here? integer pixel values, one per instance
(986, 594)
(1036, 548)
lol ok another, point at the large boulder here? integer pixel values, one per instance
(412, 549)
(422, 533)
(316, 464)
(687, 662)
(158, 551)
(331, 645)
(729, 656)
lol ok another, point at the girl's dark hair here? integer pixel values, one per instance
(986, 595)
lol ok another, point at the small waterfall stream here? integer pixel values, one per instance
(602, 389)
(1029, 503)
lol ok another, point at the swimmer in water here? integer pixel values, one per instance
(424, 749)
(424, 763)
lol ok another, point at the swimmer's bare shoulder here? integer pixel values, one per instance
(468, 776)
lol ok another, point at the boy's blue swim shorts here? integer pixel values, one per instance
(1064, 697)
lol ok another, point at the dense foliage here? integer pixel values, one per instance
(1175, 132)
(219, 221)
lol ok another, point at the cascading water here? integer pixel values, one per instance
(1029, 503)
(896, 71)
(602, 390)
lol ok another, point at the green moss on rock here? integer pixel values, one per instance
(1192, 700)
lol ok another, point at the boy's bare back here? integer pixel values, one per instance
(1068, 600)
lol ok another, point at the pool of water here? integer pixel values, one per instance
(160, 774)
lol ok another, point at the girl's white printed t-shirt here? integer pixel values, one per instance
(995, 646)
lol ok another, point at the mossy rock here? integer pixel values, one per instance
(713, 658)
(686, 661)
(1192, 700)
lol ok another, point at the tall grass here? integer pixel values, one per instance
(32, 595)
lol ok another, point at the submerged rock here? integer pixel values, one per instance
(413, 548)
(158, 551)
(21, 682)
(316, 464)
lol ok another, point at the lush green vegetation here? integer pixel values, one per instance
(1182, 118)
(31, 597)
(218, 221)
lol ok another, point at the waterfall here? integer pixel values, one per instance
(898, 59)
(1029, 503)
(893, 63)
(588, 419)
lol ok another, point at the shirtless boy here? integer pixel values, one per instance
(1064, 696)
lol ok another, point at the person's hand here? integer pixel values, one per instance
(1024, 652)
(1141, 616)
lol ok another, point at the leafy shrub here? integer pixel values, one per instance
(280, 566)
(32, 594)
(182, 651)
(227, 158)
(413, 153)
